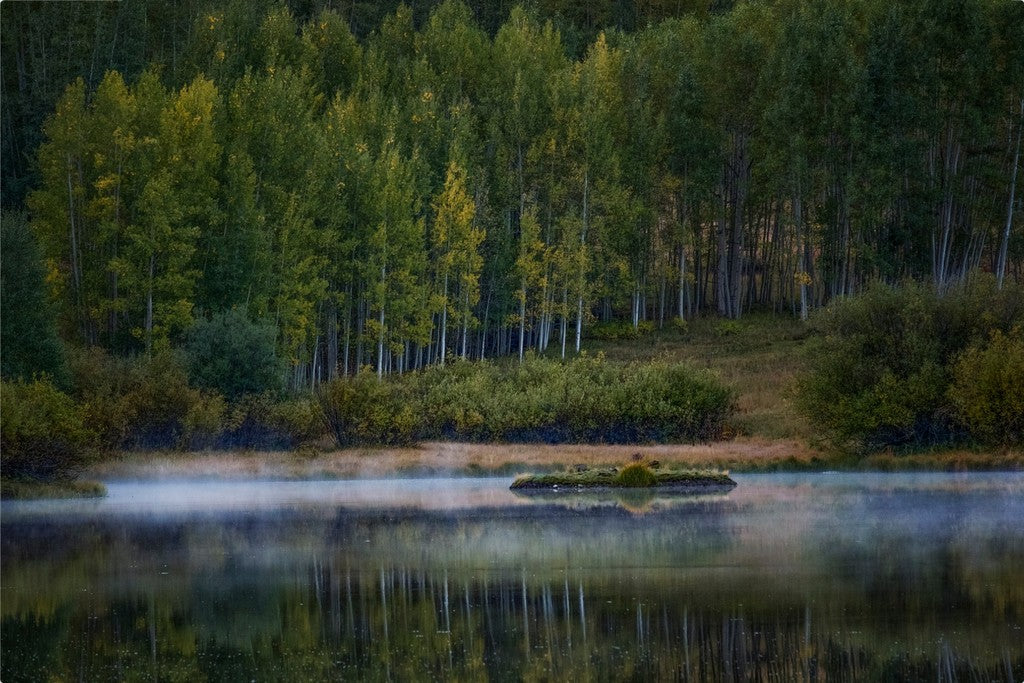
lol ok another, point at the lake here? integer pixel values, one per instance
(852, 576)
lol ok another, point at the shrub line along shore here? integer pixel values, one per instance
(891, 380)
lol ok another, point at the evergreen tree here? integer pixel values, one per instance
(28, 335)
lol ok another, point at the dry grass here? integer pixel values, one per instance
(450, 458)
(955, 460)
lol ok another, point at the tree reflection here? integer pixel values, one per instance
(679, 592)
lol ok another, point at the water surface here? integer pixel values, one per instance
(788, 577)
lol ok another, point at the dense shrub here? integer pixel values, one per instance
(361, 410)
(140, 402)
(881, 375)
(232, 355)
(265, 421)
(43, 436)
(988, 389)
(587, 400)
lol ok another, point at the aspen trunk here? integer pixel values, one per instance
(1004, 245)
(465, 324)
(332, 339)
(798, 219)
(682, 282)
(583, 244)
(149, 306)
(722, 280)
(444, 322)
(380, 336)
(522, 320)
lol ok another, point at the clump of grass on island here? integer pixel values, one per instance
(637, 474)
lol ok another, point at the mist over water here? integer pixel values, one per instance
(788, 577)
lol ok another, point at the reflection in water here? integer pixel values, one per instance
(811, 577)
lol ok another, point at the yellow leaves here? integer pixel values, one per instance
(220, 55)
(107, 183)
(427, 96)
(803, 278)
(54, 278)
(211, 21)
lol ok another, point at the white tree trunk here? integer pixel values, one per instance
(1004, 246)
(522, 321)
(380, 337)
(444, 322)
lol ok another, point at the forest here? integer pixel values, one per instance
(396, 187)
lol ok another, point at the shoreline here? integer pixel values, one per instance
(742, 454)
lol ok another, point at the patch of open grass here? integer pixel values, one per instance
(758, 356)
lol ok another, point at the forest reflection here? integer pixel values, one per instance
(712, 590)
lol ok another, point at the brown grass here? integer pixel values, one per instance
(448, 458)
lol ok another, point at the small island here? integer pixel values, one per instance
(635, 475)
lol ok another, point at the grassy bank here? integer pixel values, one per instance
(739, 455)
(28, 490)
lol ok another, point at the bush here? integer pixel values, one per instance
(232, 355)
(44, 437)
(635, 475)
(728, 328)
(361, 410)
(587, 399)
(882, 372)
(261, 421)
(988, 389)
(140, 402)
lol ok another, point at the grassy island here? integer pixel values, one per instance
(633, 476)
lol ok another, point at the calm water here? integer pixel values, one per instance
(788, 577)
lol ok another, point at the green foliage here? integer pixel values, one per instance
(988, 388)
(363, 410)
(28, 335)
(587, 399)
(379, 181)
(636, 475)
(44, 435)
(617, 330)
(138, 403)
(233, 355)
(149, 403)
(882, 374)
(728, 328)
(266, 421)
